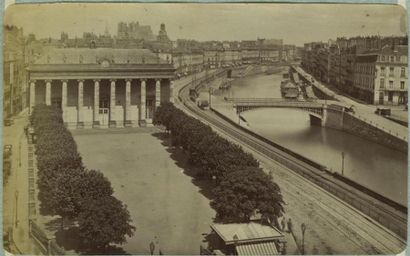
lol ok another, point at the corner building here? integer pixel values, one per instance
(102, 87)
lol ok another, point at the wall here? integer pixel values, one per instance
(358, 127)
(333, 118)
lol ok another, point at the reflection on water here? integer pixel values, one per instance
(377, 167)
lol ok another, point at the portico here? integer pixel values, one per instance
(108, 91)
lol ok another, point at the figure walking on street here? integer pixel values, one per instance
(283, 224)
(290, 225)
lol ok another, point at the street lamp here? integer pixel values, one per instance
(16, 220)
(210, 97)
(343, 162)
(303, 227)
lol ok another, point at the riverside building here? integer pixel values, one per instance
(101, 87)
(381, 77)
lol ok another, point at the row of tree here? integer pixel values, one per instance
(243, 188)
(68, 189)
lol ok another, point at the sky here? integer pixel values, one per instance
(294, 23)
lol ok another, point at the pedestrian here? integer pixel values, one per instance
(283, 223)
(290, 225)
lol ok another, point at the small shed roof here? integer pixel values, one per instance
(246, 232)
(264, 248)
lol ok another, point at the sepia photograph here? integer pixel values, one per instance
(205, 129)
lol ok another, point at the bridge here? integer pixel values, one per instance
(327, 113)
(316, 108)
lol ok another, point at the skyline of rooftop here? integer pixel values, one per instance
(321, 21)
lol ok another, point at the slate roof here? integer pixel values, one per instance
(98, 55)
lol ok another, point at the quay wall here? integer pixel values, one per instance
(356, 126)
(347, 122)
(352, 124)
(383, 210)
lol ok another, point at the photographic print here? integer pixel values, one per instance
(205, 129)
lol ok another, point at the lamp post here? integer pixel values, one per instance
(303, 227)
(210, 96)
(343, 163)
(16, 209)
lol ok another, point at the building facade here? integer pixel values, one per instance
(382, 77)
(101, 87)
(14, 75)
(355, 65)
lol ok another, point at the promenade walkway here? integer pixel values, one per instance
(362, 111)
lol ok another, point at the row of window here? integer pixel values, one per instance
(391, 71)
(390, 58)
(366, 69)
(391, 84)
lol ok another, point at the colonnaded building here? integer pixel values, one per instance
(101, 87)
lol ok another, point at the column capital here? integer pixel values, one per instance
(80, 80)
(97, 80)
(47, 80)
(32, 81)
(143, 79)
(128, 80)
(113, 80)
(64, 80)
(158, 79)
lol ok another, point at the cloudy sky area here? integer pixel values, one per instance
(295, 23)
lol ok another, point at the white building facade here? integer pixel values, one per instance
(101, 87)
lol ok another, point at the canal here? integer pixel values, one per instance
(375, 166)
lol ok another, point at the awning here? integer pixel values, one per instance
(267, 248)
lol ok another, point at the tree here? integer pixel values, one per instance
(244, 192)
(63, 200)
(92, 185)
(104, 221)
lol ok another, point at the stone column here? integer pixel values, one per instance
(64, 98)
(112, 104)
(171, 91)
(80, 103)
(128, 102)
(143, 102)
(48, 92)
(32, 95)
(64, 94)
(157, 92)
(96, 109)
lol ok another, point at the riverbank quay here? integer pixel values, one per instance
(362, 111)
(333, 224)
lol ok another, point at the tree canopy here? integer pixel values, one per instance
(104, 221)
(68, 189)
(244, 192)
(243, 188)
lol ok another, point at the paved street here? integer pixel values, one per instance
(15, 196)
(364, 111)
